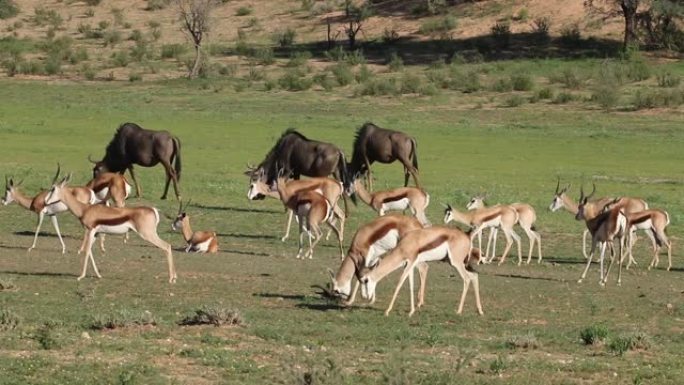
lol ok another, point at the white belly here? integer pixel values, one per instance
(117, 229)
(381, 246)
(202, 247)
(55, 208)
(645, 225)
(102, 194)
(399, 205)
(436, 254)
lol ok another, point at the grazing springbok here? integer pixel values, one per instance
(38, 206)
(133, 144)
(328, 187)
(110, 186)
(422, 246)
(604, 228)
(398, 199)
(526, 219)
(370, 242)
(498, 216)
(298, 155)
(111, 220)
(197, 241)
(376, 144)
(312, 209)
(653, 222)
(593, 208)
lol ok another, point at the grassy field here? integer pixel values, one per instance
(50, 324)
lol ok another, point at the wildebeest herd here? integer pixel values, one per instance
(379, 247)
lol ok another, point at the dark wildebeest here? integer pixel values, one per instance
(295, 155)
(376, 144)
(133, 144)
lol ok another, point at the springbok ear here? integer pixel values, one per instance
(11, 182)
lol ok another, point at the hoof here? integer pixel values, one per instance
(579, 280)
(283, 239)
(79, 278)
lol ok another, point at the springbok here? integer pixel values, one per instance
(498, 216)
(653, 222)
(422, 246)
(312, 210)
(526, 219)
(604, 228)
(399, 199)
(38, 206)
(328, 187)
(111, 220)
(371, 241)
(197, 241)
(110, 186)
(593, 208)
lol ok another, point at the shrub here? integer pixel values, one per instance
(84, 29)
(89, 12)
(355, 57)
(395, 62)
(389, 36)
(570, 78)
(564, 97)
(134, 77)
(324, 81)
(175, 50)
(522, 82)
(540, 29)
(411, 84)
(638, 70)
(523, 14)
(364, 74)
(121, 58)
(8, 9)
(31, 67)
(294, 81)
(78, 56)
(228, 69)
(443, 24)
(264, 55)
(8, 320)
(343, 74)
(502, 85)
(634, 341)
(653, 99)
(545, 93)
(285, 38)
(525, 341)
(112, 38)
(255, 74)
(594, 334)
(606, 95)
(571, 36)
(379, 86)
(465, 82)
(122, 318)
(47, 336)
(298, 59)
(154, 5)
(668, 79)
(136, 35)
(244, 11)
(103, 24)
(514, 101)
(88, 72)
(7, 285)
(42, 17)
(213, 315)
(140, 51)
(501, 32)
(93, 3)
(117, 13)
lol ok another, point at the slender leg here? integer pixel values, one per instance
(339, 238)
(138, 193)
(102, 239)
(591, 256)
(584, 243)
(301, 238)
(422, 274)
(90, 238)
(411, 283)
(353, 294)
(152, 237)
(83, 244)
(369, 177)
(318, 235)
(290, 214)
(407, 270)
(493, 234)
(539, 246)
(532, 238)
(603, 253)
(53, 218)
(170, 176)
(41, 215)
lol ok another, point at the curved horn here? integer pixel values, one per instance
(593, 191)
(446, 206)
(59, 168)
(6, 180)
(90, 159)
(180, 207)
(558, 186)
(581, 194)
(187, 204)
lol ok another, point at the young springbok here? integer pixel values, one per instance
(312, 210)
(653, 222)
(371, 241)
(398, 199)
(38, 206)
(422, 246)
(526, 219)
(604, 228)
(498, 216)
(595, 207)
(330, 188)
(111, 220)
(197, 241)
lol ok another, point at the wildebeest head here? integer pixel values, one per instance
(99, 167)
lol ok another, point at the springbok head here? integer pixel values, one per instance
(339, 290)
(368, 284)
(448, 213)
(99, 166)
(57, 190)
(181, 216)
(257, 186)
(477, 201)
(583, 201)
(10, 188)
(557, 201)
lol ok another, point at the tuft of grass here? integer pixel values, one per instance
(514, 101)
(645, 99)
(135, 77)
(7, 284)
(498, 365)
(93, 3)
(594, 334)
(155, 5)
(299, 59)
(48, 336)
(325, 81)
(264, 56)
(440, 25)
(379, 87)
(174, 50)
(668, 79)
(544, 93)
(632, 341)
(244, 11)
(524, 341)
(395, 63)
(8, 9)
(343, 73)
(293, 80)
(606, 95)
(285, 38)
(112, 38)
(50, 17)
(569, 77)
(121, 318)
(571, 36)
(213, 315)
(8, 320)
(522, 82)
(121, 58)
(502, 85)
(501, 33)
(563, 98)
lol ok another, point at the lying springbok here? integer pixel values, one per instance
(604, 228)
(422, 246)
(526, 219)
(312, 210)
(398, 199)
(498, 216)
(371, 241)
(110, 186)
(653, 222)
(38, 206)
(197, 241)
(111, 220)
(330, 188)
(593, 208)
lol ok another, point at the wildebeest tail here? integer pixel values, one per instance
(344, 178)
(414, 153)
(177, 162)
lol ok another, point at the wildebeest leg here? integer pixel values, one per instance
(135, 181)
(170, 176)
(369, 177)
(409, 169)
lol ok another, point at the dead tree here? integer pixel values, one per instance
(195, 17)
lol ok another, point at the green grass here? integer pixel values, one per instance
(533, 314)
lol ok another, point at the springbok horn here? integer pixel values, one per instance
(332, 273)
(592, 191)
(581, 193)
(90, 159)
(446, 206)
(19, 183)
(6, 180)
(558, 186)
(169, 217)
(180, 207)
(187, 204)
(59, 168)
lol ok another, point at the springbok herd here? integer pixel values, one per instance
(379, 247)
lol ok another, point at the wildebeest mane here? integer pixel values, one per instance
(118, 145)
(275, 153)
(361, 132)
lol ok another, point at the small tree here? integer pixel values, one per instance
(195, 17)
(626, 8)
(355, 15)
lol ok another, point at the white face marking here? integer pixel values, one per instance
(556, 204)
(178, 223)
(448, 216)
(54, 195)
(368, 287)
(9, 197)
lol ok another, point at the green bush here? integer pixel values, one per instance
(634, 341)
(174, 50)
(42, 17)
(364, 74)
(594, 334)
(569, 77)
(87, 72)
(395, 63)
(135, 77)
(154, 5)
(467, 82)
(325, 81)
(294, 81)
(545, 93)
(638, 70)
(343, 74)
(668, 79)
(502, 85)
(299, 59)
(285, 38)
(244, 11)
(514, 101)
(47, 336)
(661, 98)
(141, 51)
(379, 86)
(440, 25)
(112, 38)
(8, 320)
(265, 56)
(78, 56)
(355, 57)
(522, 82)
(501, 32)
(411, 84)
(540, 30)
(121, 318)
(606, 95)
(31, 67)
(213, 315)
(563, 97)
(121, 58)
(571, 36)
(8, 9)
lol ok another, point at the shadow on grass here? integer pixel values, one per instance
(237, 209)
(567, 261)
(247, 236)
(244, 252)
(26, 233)
(39, 273)
(520, 276)
(292, 297)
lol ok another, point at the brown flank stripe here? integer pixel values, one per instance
(381, 232)
(435, 243)
(395, 198)
(640, 219)
(113, 221)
